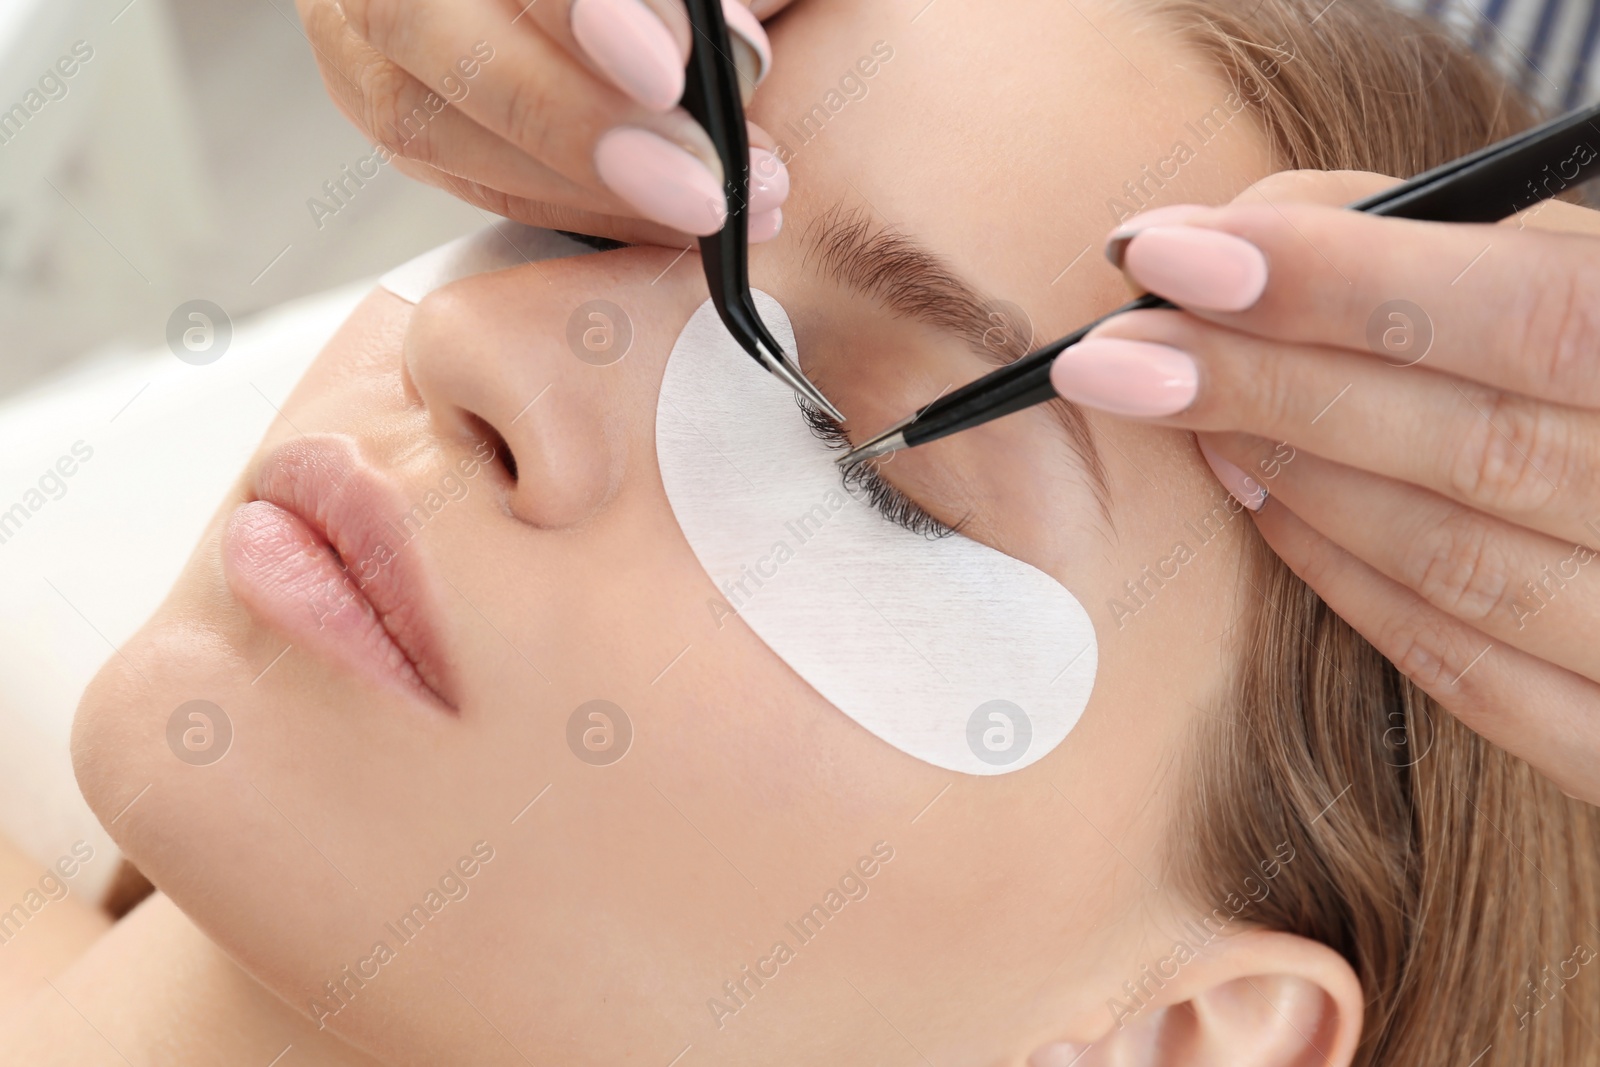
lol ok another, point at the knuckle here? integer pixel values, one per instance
(1322, 564)
(1418, 649)
(354, 14)
(1558, 329)
(376, 21)
(395, 111)
(1266, 388)
(530, 121)
(1456, 566)
(323, 25)
(1512, 455)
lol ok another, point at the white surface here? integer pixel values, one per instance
(505, 244)
(87, 568)
(907, 636)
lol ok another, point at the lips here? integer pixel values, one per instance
(321, 555)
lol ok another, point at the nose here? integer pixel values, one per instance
(558, 365)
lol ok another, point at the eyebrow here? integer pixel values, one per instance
(911, 280)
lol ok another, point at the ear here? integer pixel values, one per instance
(1258, 998)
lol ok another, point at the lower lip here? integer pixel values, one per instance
(288, 574)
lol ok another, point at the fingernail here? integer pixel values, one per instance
(662, 181)
(748, 31)
(1059, 1054)
(1171, 215)
(1197, 268)
(765, 226)
(1134, 378)
(632, 47)
(769, 181)
(1243, 488)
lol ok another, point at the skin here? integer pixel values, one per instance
(55, 934)
(1446, 505)
(494, 146)
(1014, 907)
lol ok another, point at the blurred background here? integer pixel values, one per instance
(175, 163)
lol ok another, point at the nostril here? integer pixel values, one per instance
(488, 433)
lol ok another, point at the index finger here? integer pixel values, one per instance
(1508, 307)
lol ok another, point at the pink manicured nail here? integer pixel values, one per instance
(769, 181)
(748, 27)
(1171, 215)
(1197, 268)
(632, 47)
(1134, 378)
(663, 182)
(765, 226)
(1243, 488)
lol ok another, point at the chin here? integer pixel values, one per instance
(153, 785)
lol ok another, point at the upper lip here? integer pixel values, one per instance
(323, 479)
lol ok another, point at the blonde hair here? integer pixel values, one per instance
(1462, 887)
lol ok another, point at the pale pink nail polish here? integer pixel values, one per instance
(1197, 268)
(1243, 488)
(1171, 215)
(747, 26)
(1133, 378)
(633, 48)
(662, 181)
(765, 226)
(769, 181)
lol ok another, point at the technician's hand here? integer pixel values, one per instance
(1420, 405)
(560, 114)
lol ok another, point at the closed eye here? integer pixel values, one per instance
(863, 479)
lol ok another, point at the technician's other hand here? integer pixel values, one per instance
(560, 114)
(1417, 407)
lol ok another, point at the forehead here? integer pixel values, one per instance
(1000, 135)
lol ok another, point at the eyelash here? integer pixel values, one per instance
(889, 502)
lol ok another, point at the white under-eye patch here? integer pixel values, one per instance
(950, 651)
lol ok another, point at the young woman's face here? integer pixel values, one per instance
(592, 912)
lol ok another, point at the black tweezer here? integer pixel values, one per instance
(711, 95)
(1488, 185)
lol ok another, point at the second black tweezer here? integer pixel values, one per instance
(1488, 185)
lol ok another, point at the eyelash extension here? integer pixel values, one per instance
(863, 479)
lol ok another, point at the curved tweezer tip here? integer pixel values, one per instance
(791, 376)
(711, 95)
(779, 363)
